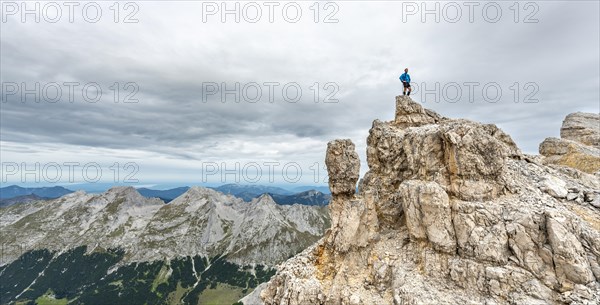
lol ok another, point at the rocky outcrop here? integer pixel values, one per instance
(450, 212)
(582, 127)
(579, 145)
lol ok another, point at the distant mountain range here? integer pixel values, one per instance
(310, 197)
(45, 192)
(305, 195)
(200, 221)
(250, 191)
(20, 199)
(126, 246)
(165, 195)
(322, 189)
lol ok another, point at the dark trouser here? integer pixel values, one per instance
(406, 85)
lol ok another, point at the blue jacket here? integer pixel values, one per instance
(405, 77)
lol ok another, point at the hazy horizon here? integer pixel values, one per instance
(101, 187)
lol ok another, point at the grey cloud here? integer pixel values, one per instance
(170, 54)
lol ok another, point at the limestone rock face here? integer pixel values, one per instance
(428, 217)
(579, 145)
(450, 212)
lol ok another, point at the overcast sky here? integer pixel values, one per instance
(171, 59)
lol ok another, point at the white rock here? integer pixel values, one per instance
(554, 186)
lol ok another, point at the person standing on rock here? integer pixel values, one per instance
(405, 79)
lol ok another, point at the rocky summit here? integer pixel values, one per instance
(450, 212)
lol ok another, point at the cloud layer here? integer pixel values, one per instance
(174, 60)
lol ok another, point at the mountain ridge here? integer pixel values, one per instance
(247, 192)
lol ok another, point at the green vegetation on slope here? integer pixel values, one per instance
(222, 294)
(77, 277)
(50, 299)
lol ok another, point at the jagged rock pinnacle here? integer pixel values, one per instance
(343, 167)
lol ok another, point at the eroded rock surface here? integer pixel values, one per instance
(450, 212)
